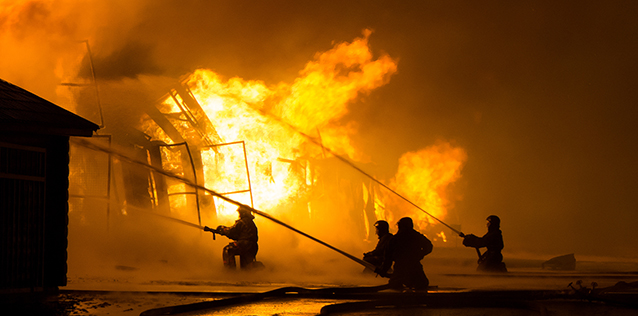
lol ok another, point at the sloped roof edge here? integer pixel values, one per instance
(23, 111)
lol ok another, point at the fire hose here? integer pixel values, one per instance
(163, 172)
(349, 163)
(352, 165)
(366, 264)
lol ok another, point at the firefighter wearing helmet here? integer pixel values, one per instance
(244, 240)
(405, 250)
(492, 259)
(375, 257)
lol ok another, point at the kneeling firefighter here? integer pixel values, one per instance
(244, 236)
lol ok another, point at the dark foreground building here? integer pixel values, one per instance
(34, 171)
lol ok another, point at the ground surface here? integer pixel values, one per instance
(127, 295)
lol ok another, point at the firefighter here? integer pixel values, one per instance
(244, 236)
(375, 257)
(406, 250)
(492, 259)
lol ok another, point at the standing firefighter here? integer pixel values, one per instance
(492, 259)
(244, 236)
(406, 249)
(375, 257)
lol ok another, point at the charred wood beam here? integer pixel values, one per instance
(161, 120)
(201, 118)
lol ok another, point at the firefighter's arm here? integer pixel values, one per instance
(222, 230)
(472, 241)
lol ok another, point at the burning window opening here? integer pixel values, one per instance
(86, 179)
(177, 192)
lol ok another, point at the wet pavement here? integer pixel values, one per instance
(97, 296)
(524, 290)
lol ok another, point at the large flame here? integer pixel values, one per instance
(424, 177)
(276, 155)
(255, 151)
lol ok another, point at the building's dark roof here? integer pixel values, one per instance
(23, 111)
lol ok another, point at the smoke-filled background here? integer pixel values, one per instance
(538, 97)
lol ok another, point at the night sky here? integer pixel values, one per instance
(541, 94)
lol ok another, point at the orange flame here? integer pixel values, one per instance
(277, 156)
(280, 161)
(424, 177)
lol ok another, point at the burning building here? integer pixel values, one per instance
(284, 149)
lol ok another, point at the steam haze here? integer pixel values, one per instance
(540, 96)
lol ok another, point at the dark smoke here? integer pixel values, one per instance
(130, 61)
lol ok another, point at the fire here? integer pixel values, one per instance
(328, 84)
(423, 177)
(442, 236)
(278, 157)
(259, 161)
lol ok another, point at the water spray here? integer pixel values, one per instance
(183, 222)
(87, 144)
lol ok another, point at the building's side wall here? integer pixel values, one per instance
(33, 211)
(57, 215)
